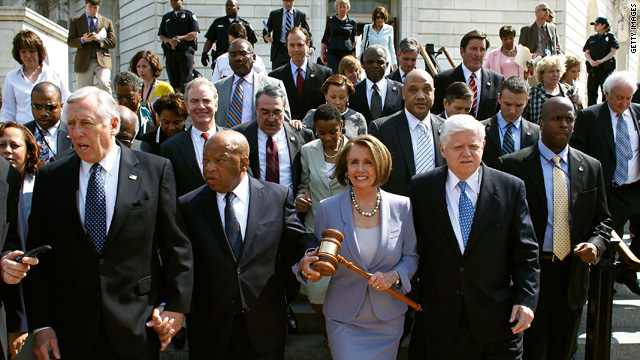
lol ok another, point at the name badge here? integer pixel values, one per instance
(547, 52)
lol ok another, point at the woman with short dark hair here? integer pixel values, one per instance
(502, 59)
(380, 33)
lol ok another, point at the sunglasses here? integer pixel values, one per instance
(48, 107)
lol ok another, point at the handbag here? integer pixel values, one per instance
(366, 45)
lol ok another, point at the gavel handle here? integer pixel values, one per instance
(391, 291)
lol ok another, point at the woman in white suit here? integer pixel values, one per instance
(364, 322)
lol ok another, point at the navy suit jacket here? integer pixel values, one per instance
(395, 76)
(274, 23)
(64, 139)
(393, 102)
(273, 233)
(529, 135)
(487, 106)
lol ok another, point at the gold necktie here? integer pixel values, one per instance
(561, 233)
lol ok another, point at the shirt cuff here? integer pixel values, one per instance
(40, 329)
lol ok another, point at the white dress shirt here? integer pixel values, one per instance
(415, 131)
(280, 141)
(453, 199)
(382, 90)
(240, 204)
(634, 166)
(467, 74)
(198, 143)
(111, 168)
(16, 98)
(223, 69)
(50, 136)
(294, 71)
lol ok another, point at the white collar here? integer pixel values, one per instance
(108, 163)
(241, 191)
(468, 73)
(414, 121)
(473, 181)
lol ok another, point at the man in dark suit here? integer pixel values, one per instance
(240, 251)
(412, 136)
(478, 270)
(485, 83)
(302, 79)
(115, 214)
(457, 100)
(51, 134)
(407, 58)
(376, 96)
(93, 36)
(276, 31)
(600, 133)
(541, 37)
(275, 145)
(567, 200)
(185, 149)
(508, 131)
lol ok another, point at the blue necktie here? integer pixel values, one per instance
(288, 24)
(95, 210)
(623, 152)
(93, 28)
(466, 209)
(232, 226)
(235, 110)
(508, 140)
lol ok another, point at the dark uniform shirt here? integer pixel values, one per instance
(600, 46)
(340, 34)
(219, 33)
(178, 24)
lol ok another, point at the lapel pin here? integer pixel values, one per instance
(133, 177)
(488, 83)
(394, 88)
(293, 138)
(581, 168)
(312, 75)
(529, 132)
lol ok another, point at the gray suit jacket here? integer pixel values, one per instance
(225, 88)
(396, 251)
(529, 38)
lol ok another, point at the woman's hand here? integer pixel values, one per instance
(383, 281)
(305, 266)
(303, 201)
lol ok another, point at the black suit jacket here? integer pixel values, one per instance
(395, 76)
(295, 140)
(393, 131)
(529, 135)
(491, 81)
(590, 219)
(499, 267)
(393, 102)
(593, 135)
(179, 149)
(274, 23)
(312, 96)
(64, 139)
(146, 259)
(273, 232)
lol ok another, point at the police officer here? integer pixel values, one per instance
(599, 51)
(179, 32)
(218, 33)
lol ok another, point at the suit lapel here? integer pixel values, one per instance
(278, 25)
(69, 199)
(486, 86)
(360, 97)
(294, 142)
(316, 160)
(436, 129)
(533, 167)
(224, 99)
(290, 84)
(576, 178)
(438, 195)
(604, 118)
(404, 140)
(210, 209)
(85, 24)
(488, 200)
(254, 159)
(308, 80)
(189, 154)
(64, 139)
(128, 181)
(392, 94)
(526, 134)
(493, 132)
(383, 245)
(256, 207)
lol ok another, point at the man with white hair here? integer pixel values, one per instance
(608, 132)
(120, 267)
(479, 271)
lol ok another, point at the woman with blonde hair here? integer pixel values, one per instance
(339, 39)
(351, 68)
(548, 72)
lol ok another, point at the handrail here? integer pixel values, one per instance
(448, 56)
(625, 253)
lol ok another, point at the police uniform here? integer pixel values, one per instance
(179, 61)
(218, 33)
(599, 46)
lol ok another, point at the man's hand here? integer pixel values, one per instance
(303, 201)
(311, 51)
(166, 324)
(11, 271)
(44, 340)
(587, 252)
(16, 341)
(524, 315)
(204, 59)
(305, 266)
(268, 39)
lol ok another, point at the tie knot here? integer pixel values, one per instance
(300, 70)
(556, 160)
(205, 136)
(375, 87)
(96, 168)
(509, 126)
(462, 185)
(620, 117)
(422, 126)
(230, 196)
(240, 81)
(473, 76)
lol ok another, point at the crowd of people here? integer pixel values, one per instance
(484, 192)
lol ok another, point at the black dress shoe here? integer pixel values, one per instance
(293, 321)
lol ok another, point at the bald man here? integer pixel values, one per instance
(252, 226)
(411, 135)
(129, 127)
(52, 135)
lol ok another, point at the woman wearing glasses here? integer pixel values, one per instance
(380, 33)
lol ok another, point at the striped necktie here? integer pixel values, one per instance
(508, 140)
(235, 109)
(473, 84)
(424, 156)
(273, 162)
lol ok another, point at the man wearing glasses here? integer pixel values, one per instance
(52, 135)
(540, 37)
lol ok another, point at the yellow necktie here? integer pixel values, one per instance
(561, 233)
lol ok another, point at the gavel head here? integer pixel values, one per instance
(328, 250)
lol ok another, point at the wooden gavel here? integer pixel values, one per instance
(328, 250)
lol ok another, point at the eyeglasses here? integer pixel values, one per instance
(268, 114)
(48, 107)
(379, 17)
(544, 9)
(239, 53)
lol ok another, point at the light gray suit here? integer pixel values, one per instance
(349, 296)
(314, 177)
(225, 88)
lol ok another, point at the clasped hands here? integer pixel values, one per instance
(166, 324)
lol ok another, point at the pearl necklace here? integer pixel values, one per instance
(509, 53)
(366, 214)
(337, 151)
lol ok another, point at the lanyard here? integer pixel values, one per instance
(146, 99)
(544, 35)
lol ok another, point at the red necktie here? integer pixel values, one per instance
(299, 82)
(473, 84)
(205, 136)
(273, 162)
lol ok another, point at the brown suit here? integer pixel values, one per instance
(78, 27)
